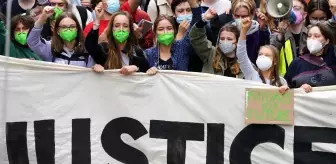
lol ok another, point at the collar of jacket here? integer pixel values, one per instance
(289, 34)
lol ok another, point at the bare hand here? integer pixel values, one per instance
(246, 24)
(283, 89)
(98, 68)
(138, 30)
(47, 12)
(307, 88)
(283, 25)
(99, 10)
(152, 71)
(210, 14)
(262, 19)
(126, 70)
(183, 28)
(227, 11)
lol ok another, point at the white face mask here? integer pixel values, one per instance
(264, 63)
(314, 46)
(227, 48)
(238, 23)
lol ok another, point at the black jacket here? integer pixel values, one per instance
(99, 52)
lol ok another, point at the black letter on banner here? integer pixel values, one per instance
(81, 145)
(16, 140)
(116, 148)
(215, 144)
(303, 138)
(177, 133)
(45, 141)
(250, 137)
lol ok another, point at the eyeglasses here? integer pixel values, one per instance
(68, 27)
(297, 8)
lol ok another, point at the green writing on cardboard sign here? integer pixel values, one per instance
(269, 106)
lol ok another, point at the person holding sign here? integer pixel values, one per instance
(318, 66)
(267, 61)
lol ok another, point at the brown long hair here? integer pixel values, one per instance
(275, 76)
(57, 42)
(113, 56)
(233, 64)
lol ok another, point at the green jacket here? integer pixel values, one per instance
(204, 49)
(16, 50)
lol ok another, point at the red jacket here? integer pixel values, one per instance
(103, 25)
(138, 15)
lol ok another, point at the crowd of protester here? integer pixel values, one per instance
(233, 38)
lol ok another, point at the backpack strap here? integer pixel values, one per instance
(83, 14)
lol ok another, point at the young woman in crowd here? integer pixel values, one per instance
(20, 26)
(318, 66)
(67, 44)
(267, 61)
(168, 53)
(259, 34)
(121, 51)
(318, 12)
(173, 47)
(220, 60)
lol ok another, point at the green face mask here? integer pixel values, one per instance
(68, 34)
(166, 38)
(120, 35)
(21, 37)
(58, 12)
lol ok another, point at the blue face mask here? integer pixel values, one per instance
(181, 18)
(112, 6)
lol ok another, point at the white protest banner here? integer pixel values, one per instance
(54, 114)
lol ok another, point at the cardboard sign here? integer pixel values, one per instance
(265, 106)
